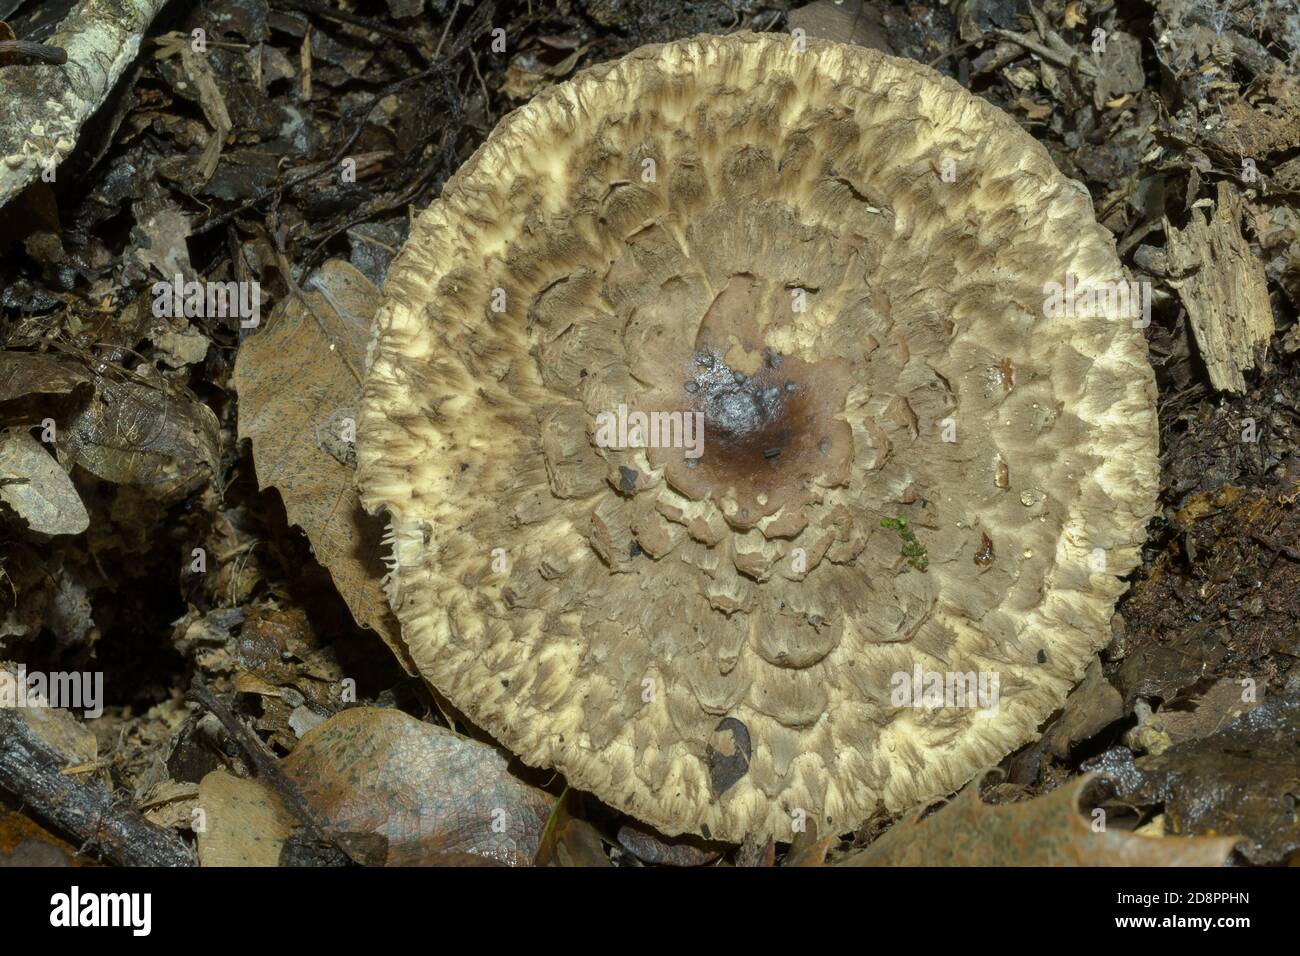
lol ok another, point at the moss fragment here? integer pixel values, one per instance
(912, 549)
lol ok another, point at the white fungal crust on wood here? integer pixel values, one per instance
(42, 107)
(714, 648)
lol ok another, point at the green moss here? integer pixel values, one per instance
(912, 549)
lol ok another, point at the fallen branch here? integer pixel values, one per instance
(34, 774)
(43, 106)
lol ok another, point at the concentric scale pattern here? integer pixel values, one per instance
(839, 259)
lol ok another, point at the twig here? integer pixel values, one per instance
(445, 28)
(282, 261)
(268, 767)
(37, 51)
(1276, 546)
(329, 13)
(1066, 58)
(953, 51)
(33, 773)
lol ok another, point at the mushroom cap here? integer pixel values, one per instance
(839, 259)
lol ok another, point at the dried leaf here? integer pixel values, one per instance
(135, 434)
(428, 791)
(570, 841)
(1121, 69)
(56, 727)
(33, 484)
(38, 373)
(1092, 705)
(161, 231)
(1046, 831)
(807, 849)
(843, 21)
(1242, 779)
(240, 822)
(755, 853)
(23, 843)
(292, 378)
(1200, 717)
(650, 846)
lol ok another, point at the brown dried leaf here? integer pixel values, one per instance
(1091, 706)
(755, 853)
(844, 22)
(298, 381)
(1193, 719)
(569, 841)
(240, 822)
(1241, 779)
(650, 846)
(56, 727)
(1047, 831)
(135, 434)
(807, 849)
(38, 373)
(428, 791)
(33, 485)
(23, 843)
(1121, 69)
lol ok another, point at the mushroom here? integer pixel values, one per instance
(768, 237)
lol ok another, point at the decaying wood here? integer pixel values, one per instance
(1223, 288)
(43, 106)
(35, 775)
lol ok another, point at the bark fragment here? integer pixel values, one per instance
(1223, 288)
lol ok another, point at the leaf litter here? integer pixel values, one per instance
(225, 166)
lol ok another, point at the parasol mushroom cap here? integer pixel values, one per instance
(909, 465)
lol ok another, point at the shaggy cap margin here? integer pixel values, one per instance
(718, 652)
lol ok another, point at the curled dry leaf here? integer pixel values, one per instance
(38, 373)
(428, 791)
(33, 484)
(1192, 719)
(651, 847)
(1243, 778)
(134, 433)
(292, 377)
(1047, 831)
(1091, 706)
(808, 849)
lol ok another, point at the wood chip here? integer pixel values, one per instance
(1223, 288)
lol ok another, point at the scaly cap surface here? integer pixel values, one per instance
(839, 258)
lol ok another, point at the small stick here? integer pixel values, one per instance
(37, 51)
(1067, 59)
(34, 774)
(1276, 546)
(265, 762)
